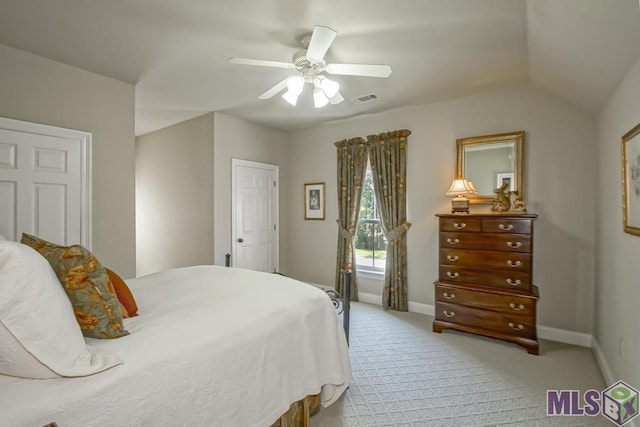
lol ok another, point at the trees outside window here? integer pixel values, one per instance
(370, 244)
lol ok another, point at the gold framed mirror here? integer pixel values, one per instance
(490, 161)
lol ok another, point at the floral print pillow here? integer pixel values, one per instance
(87, 285)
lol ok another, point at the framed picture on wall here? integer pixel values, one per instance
(503, 178)
(314, 201)
(631, 181)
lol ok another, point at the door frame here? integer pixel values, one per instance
(85, 141)
(258, 165)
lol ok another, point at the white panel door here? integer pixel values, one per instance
(255, 213)
(41, 182)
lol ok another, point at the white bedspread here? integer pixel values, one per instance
(213, 346)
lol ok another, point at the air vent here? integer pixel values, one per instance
(365, 98)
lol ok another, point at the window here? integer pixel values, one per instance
(370, 244)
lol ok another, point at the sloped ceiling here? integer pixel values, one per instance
(176, 52)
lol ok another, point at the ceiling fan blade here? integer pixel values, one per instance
(321, 39)
(364, 70)
(275, 89)
(261, 63)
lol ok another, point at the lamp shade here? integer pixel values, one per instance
(337, 99)
(462, 187)
(319, 98)
(295, 84)
(329, 87)
(291, 97)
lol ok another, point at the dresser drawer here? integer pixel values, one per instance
(507, 225)
(507, 304)
(486, 260)
(506, 323)
(488, 241)
(460, 224)
(513, 280)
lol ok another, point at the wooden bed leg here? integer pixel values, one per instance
(346, 302)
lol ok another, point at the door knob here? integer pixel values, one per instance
(240, 240)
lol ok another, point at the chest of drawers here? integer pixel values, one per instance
(485, 284)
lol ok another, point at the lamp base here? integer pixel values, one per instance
(460, 205)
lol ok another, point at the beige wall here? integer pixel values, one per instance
(618, 267)
(174, 196)
(240, 139)
(36, 89)
(560, 150)
(183, 180)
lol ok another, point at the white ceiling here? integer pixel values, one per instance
(176, 52)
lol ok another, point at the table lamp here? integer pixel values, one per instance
(461, 188)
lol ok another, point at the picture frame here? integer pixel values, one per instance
(501, 178)
(631, 181)
(314, 201)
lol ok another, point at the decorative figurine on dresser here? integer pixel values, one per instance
(485, 280)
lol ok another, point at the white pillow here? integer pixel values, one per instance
(38, 330)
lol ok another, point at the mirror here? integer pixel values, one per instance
(491, 160)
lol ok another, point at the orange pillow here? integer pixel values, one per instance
(123, 293)
(125, 314)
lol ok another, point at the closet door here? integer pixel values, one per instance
(254, 206)
(44, 182)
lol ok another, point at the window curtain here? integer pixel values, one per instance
(352, 166)
(388, 157)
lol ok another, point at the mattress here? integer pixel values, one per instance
(212, 346)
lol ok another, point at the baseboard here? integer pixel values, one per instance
(601, 360)
(370, 298)
(545, 332)
(414, 307)
(565, 336)
(420, 308)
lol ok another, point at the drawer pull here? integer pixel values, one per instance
(446, 313)
(514, 264)
(453, 275)
(515, 327)
(517, 282)
(516, 307)
(507, 227)
(453, 241)
(449, 296)
(459, 226)
(514, 245)
(453, 258)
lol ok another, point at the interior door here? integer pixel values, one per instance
(43, 182)
(255, 216)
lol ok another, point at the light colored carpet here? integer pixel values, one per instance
(406, 375)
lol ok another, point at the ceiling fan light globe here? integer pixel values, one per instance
(291, 97)
(319, 98)
(336, 99)
(329, 87)
(295, 84)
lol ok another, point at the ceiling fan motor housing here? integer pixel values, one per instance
(306, 65)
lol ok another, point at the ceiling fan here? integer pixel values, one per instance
(310, 63)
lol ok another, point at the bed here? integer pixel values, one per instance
(212, 346)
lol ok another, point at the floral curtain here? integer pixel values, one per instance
(352, 166)
(388, 157)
